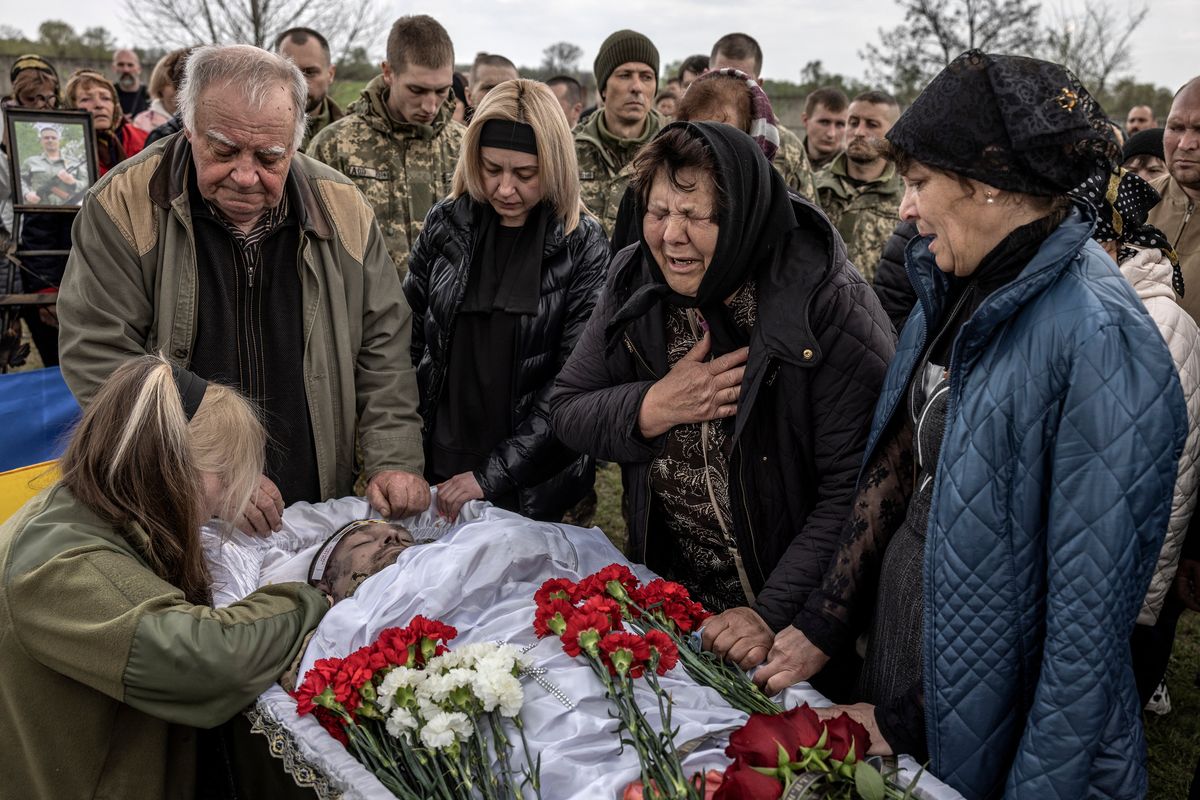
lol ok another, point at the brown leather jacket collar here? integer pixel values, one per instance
(169, 181)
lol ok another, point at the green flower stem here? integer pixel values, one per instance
(533, 765)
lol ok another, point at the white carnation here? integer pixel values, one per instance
(497, 689)
(444, 729)
(399, 678)
(401, 722)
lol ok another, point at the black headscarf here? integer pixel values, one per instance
(1123, 200)
(1012, 122)
(755, 213)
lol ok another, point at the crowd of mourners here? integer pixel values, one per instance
(909, 398)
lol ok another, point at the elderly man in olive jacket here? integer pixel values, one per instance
(259, 268)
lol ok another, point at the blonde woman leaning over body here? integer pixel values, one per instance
(107, 638)
(501, 282)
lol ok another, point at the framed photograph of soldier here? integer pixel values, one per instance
(51, 158)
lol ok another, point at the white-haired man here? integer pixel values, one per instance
(258, 267)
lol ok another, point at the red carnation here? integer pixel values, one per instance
(584, 622)
(333, 726)
(662, 649)
(624, 653)
(552, 617)
(672, 603)
(600, 604)
(848, 739)
(554, 589)
(743, 782)
(598, 583)
(394, 646)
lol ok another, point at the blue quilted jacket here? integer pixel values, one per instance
(1064, 427)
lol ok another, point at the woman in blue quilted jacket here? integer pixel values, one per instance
(1019, 474)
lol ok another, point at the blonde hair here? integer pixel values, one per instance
(167, 72)
(533, 103)
(135, 460)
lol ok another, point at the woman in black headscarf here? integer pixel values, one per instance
(730, 368)
(501, 282)
(1018, 478)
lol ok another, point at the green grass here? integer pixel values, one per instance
(1174, 740)
(346, 92)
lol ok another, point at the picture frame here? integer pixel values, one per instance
(34, 153)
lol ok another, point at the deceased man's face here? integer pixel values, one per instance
(361, 553)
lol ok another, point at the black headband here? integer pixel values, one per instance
(191, 389)
(508, 135)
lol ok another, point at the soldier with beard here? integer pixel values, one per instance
(131, 92)
(860, 190)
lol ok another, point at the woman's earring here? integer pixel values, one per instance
(989, 197)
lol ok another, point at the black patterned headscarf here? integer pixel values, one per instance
(1016, 123)
(1123, 200)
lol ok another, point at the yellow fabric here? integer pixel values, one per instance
(17, 486)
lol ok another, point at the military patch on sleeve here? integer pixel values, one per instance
(587, 175)
(383, 174)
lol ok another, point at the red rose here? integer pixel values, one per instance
(712, 782)
(663, 649)
(590, 622)
(634, 791)
(551, 618)
(848, 739)
(757, 742)
(554, 589)
(806, 723)
(743, 782)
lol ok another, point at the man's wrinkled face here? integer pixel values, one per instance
(416, 93)
(242, 154)
(127, 69)
(629, 91)
(1181, 141)
(360, 554)
(310, 58)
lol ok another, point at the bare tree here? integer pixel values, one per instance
(257, 22)
(1094, 43)
(561, 57)
(936, 31)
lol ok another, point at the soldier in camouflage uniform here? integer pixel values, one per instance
(626, 70)
(742, 52)
(860, 190)
(47, 178)
(399, 143)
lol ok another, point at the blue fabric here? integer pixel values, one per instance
(37, 411)
(1064, 428)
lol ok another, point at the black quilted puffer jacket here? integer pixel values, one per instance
(547, 477)
(818, 355)
(891, 279)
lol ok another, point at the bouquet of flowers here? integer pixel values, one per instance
(773, 752)
(426, 720)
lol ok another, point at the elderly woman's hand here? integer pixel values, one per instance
(739, 635)
(793, 658)
(694, 390)
(863, 714)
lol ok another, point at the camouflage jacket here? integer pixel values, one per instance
(42, 176)
(865, 214)
(325, 115)
(402, 168)
(604, 165)
(792, 162)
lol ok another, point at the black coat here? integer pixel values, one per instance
(891, 279)
(547, 477)
(818, 354)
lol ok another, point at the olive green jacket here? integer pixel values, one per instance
(403, 168)
(865, 214)
(1178, 217)
(108, 669)
(605, 165)
(130, 288)
(327, 113)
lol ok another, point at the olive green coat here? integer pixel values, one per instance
(605, 165)
(108, 669)
(865, 213)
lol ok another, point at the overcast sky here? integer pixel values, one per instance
(1166, 49)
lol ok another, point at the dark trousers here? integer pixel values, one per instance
(45, 337)
(235, 763)
(1150, 646)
